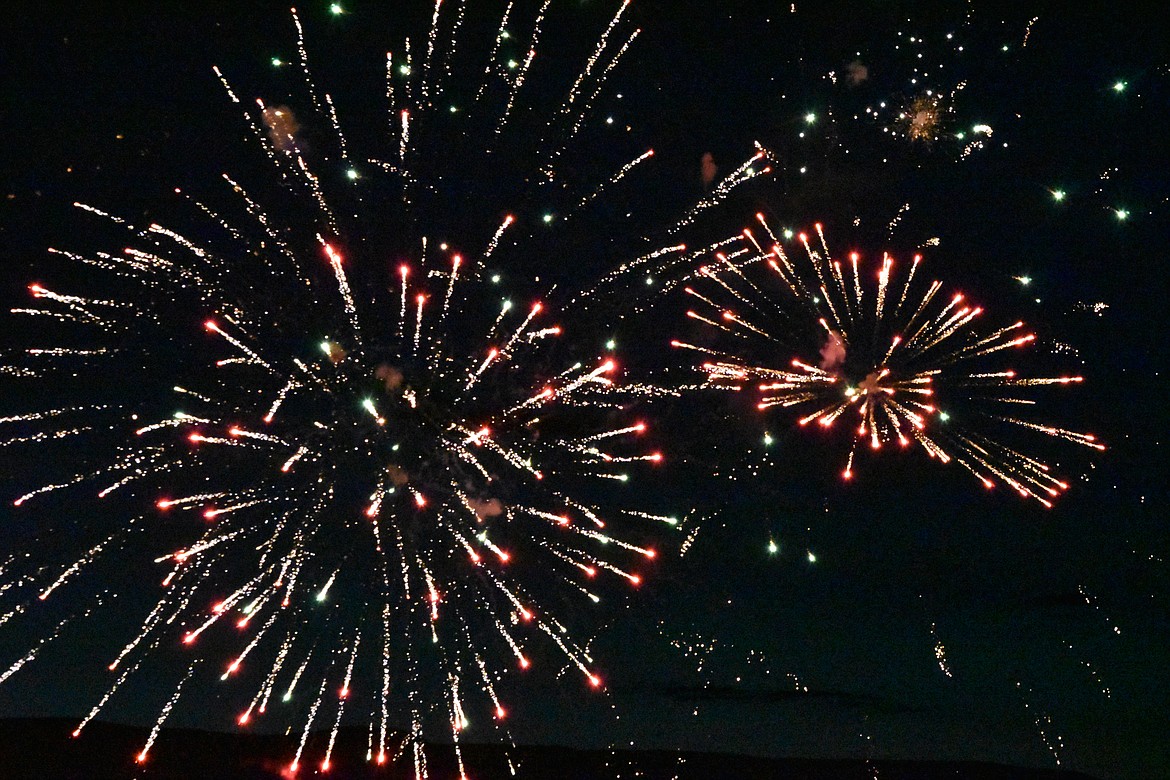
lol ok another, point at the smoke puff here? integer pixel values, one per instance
(708, 169)
(856, 72)
(282, 128)
(832, 352)
(486, 508)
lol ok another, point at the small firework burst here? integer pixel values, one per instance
(893, 358)
(922, 120)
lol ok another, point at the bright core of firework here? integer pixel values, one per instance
(875, 350)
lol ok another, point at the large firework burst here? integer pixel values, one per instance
(379, 467)
(895, 359)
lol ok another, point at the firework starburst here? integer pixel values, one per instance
(315, 420)
(892, 357)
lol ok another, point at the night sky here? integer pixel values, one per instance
(905, 614)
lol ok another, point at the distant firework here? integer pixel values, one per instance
(922, 119)
(894, 359)
(353, 465)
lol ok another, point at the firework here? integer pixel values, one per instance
(890, 356)
(359, 476)
(922, 119)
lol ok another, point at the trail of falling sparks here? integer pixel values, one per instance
(621, 173)
(34, 651)
(1092, 670)
(518, 80)
(296, 762)
(165, 713)
(1045, 728)
(342, 696)
(940, 652)
(105, 698)
(1091, 601)
(889, 358)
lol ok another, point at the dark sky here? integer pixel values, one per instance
(1052, 624)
